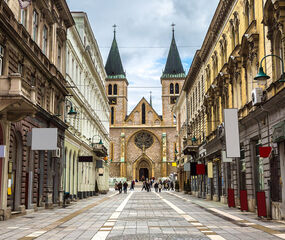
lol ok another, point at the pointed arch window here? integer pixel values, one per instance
(112, 115)
(143, 113)
(115, 89)
(176, 88)
(171, 88)
(110, 89)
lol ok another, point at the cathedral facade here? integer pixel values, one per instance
(142, 143)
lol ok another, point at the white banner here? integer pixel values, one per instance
(232, 133)
(224, 157)
(44, 139)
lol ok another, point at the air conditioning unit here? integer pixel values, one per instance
(256, 96)
(56, 153)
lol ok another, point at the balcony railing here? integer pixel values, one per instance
(100, 150)
(17, 97)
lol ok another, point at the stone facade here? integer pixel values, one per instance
(32, 92)
(228, 61)
(143, 143)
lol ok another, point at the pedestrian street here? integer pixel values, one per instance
(141, 215)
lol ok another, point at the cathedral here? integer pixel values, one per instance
(143, 143)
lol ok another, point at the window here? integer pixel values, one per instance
(176, 88)
(20, 68)
(112, 115)
(1, 59)
(143, 113)
(171, 90)
(35, 25)
(115, 89)
(110, 89)
(247, 14)
(23, 16)
(278, 49)
(45, 40)
(59, 57)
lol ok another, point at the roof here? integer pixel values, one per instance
(114, 66)
(173, 67)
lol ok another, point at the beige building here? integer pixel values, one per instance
(143, 142)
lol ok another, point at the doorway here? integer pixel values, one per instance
(143, 174)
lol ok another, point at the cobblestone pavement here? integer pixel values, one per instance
(141, 215)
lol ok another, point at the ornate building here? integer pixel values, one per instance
(245, 32)
(85, 74)
(143, 142)
(32, 94)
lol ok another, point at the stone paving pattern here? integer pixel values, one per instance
(145, 216)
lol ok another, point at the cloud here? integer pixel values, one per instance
(144, 36)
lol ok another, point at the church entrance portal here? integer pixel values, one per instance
(143, 174)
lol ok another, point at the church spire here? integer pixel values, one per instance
(173, 67)
(114, 66)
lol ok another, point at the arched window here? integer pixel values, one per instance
(176, 88)
(171, 90)
(110, 89)
(112, 115)
(115, 89)
(143, 113)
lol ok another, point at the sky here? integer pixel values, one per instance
(144, 35)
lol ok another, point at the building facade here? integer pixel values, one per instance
(86, 75)
(32, 93)
(245, 32)
(142, 143)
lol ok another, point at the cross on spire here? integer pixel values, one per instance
(173, 25)
(114, 26)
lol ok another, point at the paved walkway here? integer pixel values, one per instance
(141, 215)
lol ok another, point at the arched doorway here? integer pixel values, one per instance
(144, 170)
(14, 200)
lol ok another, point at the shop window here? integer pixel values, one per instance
(242, 168)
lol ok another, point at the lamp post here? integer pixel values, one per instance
(100, 141)
(262, 76)
(71, 110)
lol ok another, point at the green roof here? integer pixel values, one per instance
(173, 67)
(114, 66)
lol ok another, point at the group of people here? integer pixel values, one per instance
(147, 185)
(124, 186)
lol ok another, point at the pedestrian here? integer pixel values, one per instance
(132, 185)
(116, 186)
(144, 185)
(156, 187)
(159, 187)
(172, 185)
(120, 185)
(125, 187)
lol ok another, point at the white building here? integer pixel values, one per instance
(85, 74)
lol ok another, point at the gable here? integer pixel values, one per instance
(151, 116)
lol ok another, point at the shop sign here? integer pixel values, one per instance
(44, 139)
(85, 159)
(187, 167)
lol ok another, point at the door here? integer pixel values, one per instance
(143, 174)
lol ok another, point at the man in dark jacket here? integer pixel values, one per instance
(125, 187)
(120, 185)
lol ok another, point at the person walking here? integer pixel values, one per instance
(159, 187)
(132, 185)
(116, 186)
(144, 185)
(156, 187)
(125, 187)
(172, 185)
(120, 185)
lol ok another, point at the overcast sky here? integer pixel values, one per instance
(144, 36)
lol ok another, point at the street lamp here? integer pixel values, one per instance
(100, 141)
(71, 110)
(262, 76)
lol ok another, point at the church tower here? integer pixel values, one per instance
(172, 81)
(116, 85)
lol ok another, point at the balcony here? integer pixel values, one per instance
(17, 98)
(99, 149)
(190, 148)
